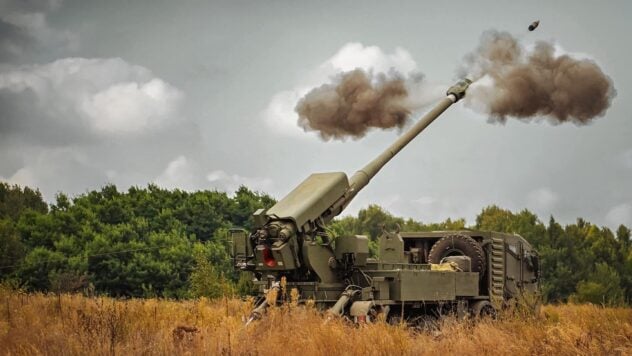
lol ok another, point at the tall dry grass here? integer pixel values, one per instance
(37, 324)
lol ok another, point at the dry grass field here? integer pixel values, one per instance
(36, 324)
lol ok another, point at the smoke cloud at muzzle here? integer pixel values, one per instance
(510, 80)
(521, 83)
(353, 103)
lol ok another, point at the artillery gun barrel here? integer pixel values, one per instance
(323, 196)
(362, 177)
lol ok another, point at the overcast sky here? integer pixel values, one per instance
(200, 95)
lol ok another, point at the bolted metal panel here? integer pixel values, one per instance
(466, 284)
(357, 245)
(282, 254)
(392, 249)
(318, 257)
(239, 238)
(382, 286)
(424, 286)
(311, 198)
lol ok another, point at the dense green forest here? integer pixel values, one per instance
(171, 243)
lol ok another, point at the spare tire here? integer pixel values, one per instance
(458, 245)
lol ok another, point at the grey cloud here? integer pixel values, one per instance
(626, 159)
(181, 173)
(48, 170)
(620, 214)
(76, 121)
(74, 99)
(185, 173)
(76, 167)
(25, 32)
(29, 5)
(14, 41)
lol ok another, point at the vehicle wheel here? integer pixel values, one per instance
(394, 320)
(427, 323)
(483, 309)
(458, 245)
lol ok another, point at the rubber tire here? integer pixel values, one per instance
(464, 245)
(483, 309)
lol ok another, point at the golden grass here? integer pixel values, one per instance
(37, 324)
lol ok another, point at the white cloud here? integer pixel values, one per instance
(22, 177)
(186, 174)
(109, 96)
(180, 173)
(131, 106)
(280, 114)
(620, 214)
(542, 201)
(561, 51)
(355, 55)
(429, 208)
(100, 120)
(230, 182)
(49, 169)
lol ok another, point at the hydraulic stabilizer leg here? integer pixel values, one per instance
(270, 298)
(344, 299)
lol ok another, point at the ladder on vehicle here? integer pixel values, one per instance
(497, 271)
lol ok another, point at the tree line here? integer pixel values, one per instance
(142, 242)
(151, 241)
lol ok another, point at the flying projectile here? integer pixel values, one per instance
(534, 25)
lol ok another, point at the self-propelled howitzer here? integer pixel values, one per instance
(289, 247)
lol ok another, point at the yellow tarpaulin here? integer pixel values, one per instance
(448, 266)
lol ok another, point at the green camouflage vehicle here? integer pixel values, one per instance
(416, 274)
